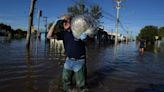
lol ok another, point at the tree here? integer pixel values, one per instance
(149, 33)
(161, 31)
(80, 8)
(96, 13)
(5, 27)
(6, 30)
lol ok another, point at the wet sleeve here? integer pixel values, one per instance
(84, 37)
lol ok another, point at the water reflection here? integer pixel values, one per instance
(118, 68)
(4, 39)
(30, 78)
(110, 69)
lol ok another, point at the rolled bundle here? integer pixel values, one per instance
(83, 24)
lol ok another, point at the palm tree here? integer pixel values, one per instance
(80, 8)
(96, 13)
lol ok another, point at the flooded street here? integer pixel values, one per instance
(110, 69)
(124, 70)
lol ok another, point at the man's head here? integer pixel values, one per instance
(67, 21)
(59, 26)
(66, 17)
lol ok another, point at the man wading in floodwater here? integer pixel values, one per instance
(75, 63)
(142, 45)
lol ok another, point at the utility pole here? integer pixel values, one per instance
(45, 19)
(127, 31)
(112, 34)
(38, 32)
(117, 19)
(39, 15)
(30, 23)
(131, 37)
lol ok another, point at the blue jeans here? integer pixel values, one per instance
(76, 67)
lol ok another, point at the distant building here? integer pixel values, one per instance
(120, 36)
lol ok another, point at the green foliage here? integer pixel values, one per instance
(149, 33)
(96, 13)
(80, 8)
(5, 27)
(161, 31)
(6, 30)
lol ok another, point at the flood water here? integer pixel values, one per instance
(110, 69)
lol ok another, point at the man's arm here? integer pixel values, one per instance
(50, 34)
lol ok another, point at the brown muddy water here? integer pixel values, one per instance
(110, 69)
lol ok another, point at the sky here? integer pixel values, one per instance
(134, 14)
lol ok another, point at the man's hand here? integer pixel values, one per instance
(83, 36)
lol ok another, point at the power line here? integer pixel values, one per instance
(106, 14)
(121, 25)
(109, 15)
